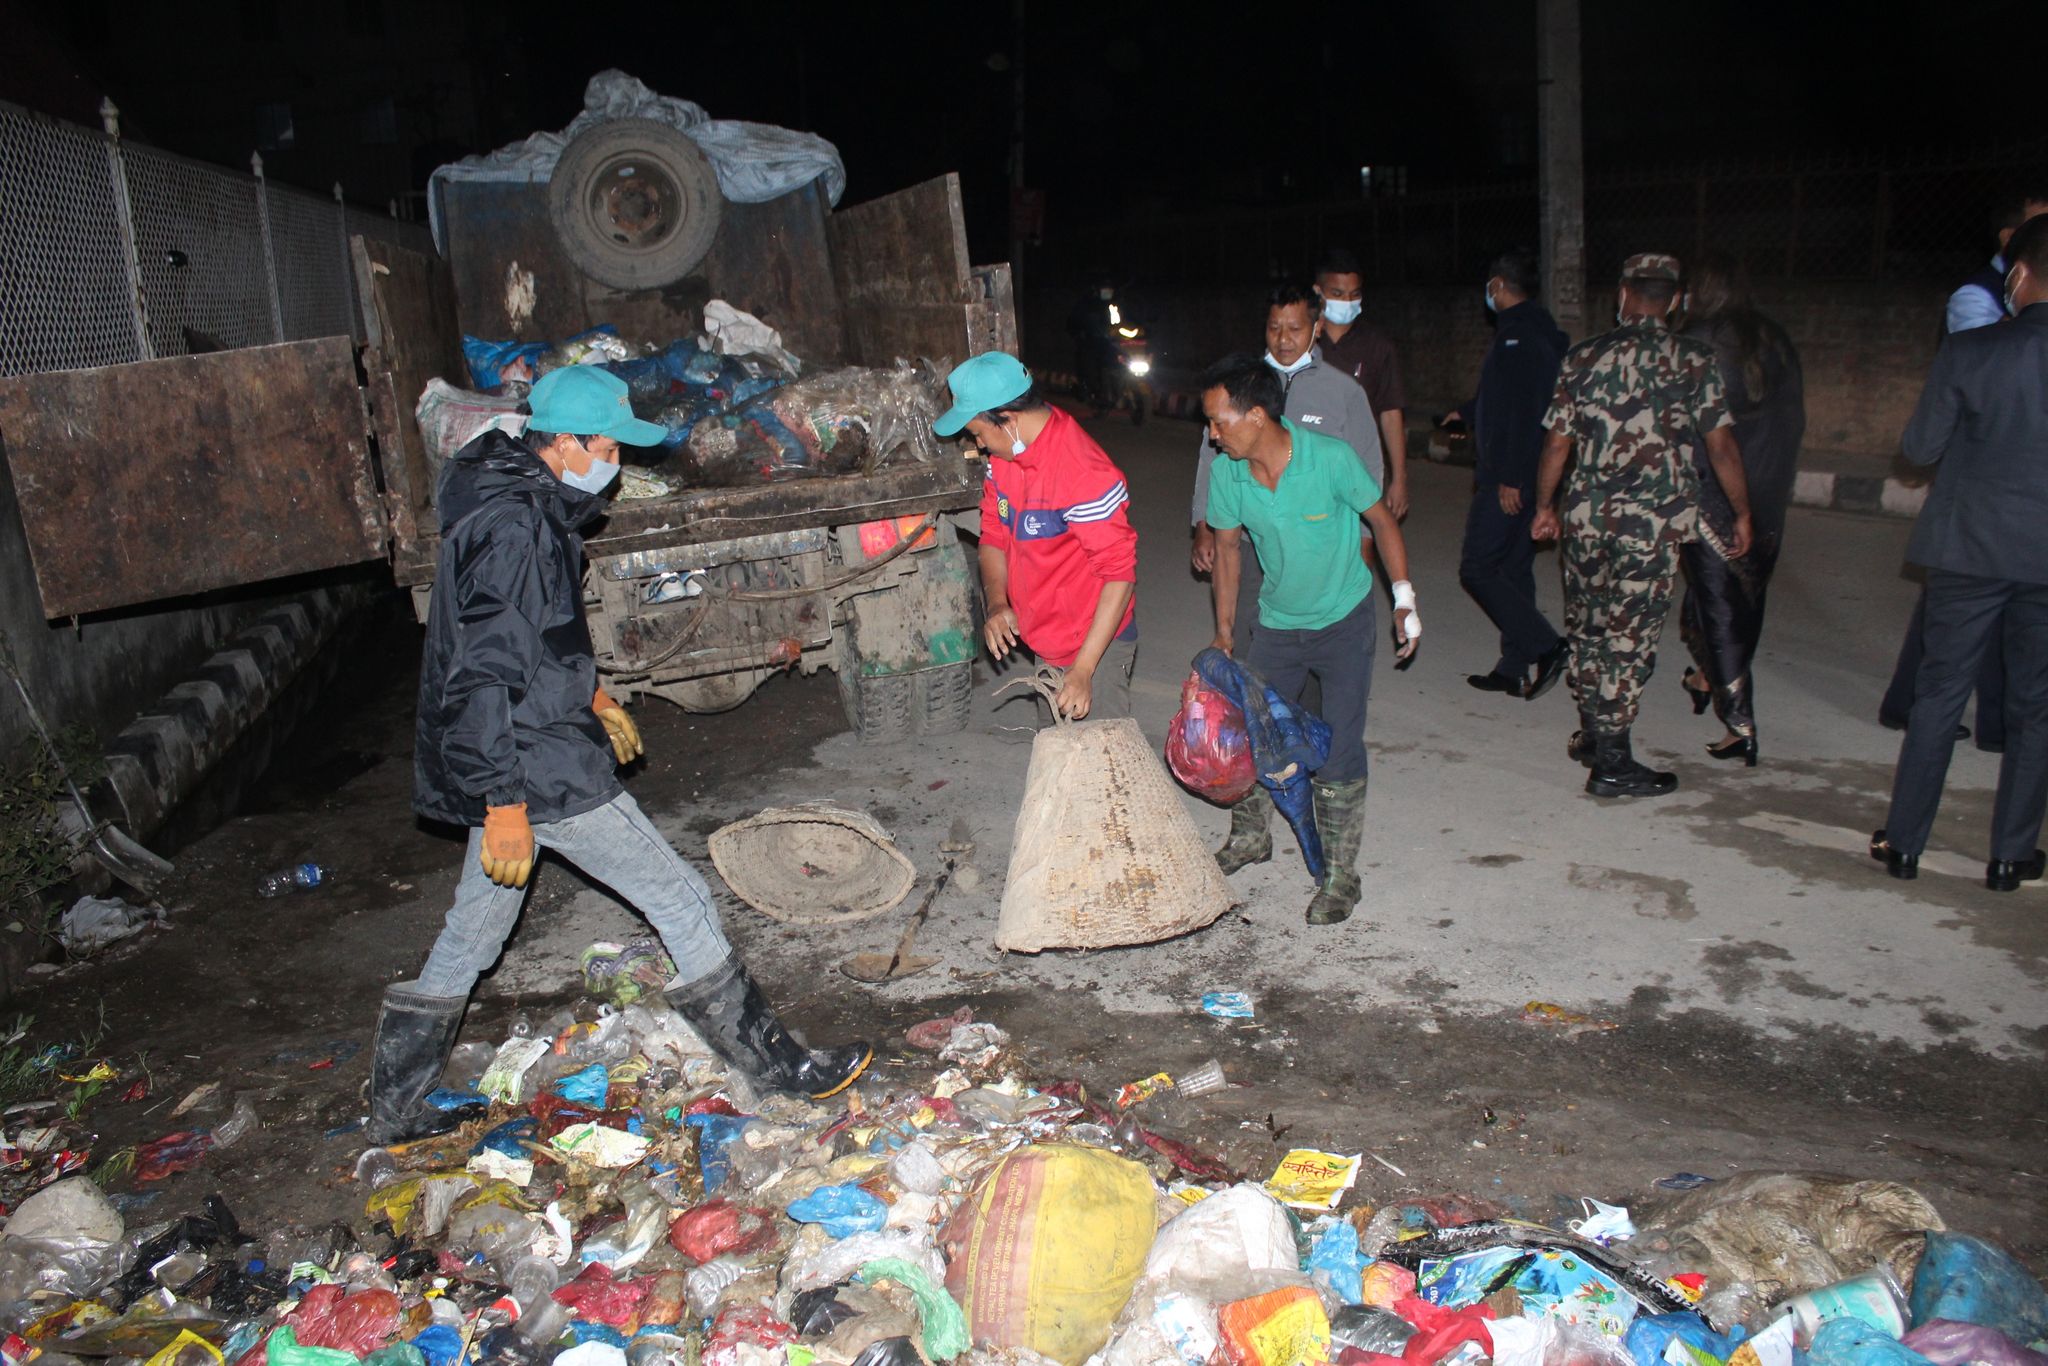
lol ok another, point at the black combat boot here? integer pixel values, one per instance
(1617, 774)
(1251, 841)
(414, 1034)
(1580, 746)
(727, 1008)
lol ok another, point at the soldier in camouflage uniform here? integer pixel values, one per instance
(1634, 403)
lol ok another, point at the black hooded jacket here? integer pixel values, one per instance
(508, 674)
(1516, 381)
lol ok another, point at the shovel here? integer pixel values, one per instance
(875, 967)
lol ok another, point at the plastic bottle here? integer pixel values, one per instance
(239, 1124)
(376, 1168)
(531, 1281)
(291, 879)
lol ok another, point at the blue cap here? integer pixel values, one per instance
(583, 400)
(982, 384)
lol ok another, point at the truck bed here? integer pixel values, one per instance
(698, 515)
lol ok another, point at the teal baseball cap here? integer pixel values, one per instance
(583, 400)
(982, 384)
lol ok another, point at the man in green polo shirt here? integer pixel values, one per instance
(1300, 495)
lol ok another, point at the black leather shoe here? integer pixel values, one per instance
(1743, 749)
(2006, 875)
(1549, 669)
(1495, 682)
(1905, 867)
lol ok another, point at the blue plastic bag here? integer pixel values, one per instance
(841, 1211)
(715, 1134)
(440, 1345)
(1281, 735)
(1852, 1342)
(486, 359)
(587, 1087)
(509, 1138)
(455, 1097)
(1651, 1335)
(1334, 1259)
(1967, 1280)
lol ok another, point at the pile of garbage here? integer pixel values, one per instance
(729, 396)
(619, 1199)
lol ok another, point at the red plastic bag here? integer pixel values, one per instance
(718, 1227)
(748, 1324)
(358, 1323)
(1207, 747)
(179, 1152)
(596, 1297)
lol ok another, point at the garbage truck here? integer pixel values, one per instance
(184, 475)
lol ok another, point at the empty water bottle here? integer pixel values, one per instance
(291, 879)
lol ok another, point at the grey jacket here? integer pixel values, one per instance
(1320, 398)
(1983, 419)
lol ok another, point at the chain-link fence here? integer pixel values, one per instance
(112, 252)
(1891, 220)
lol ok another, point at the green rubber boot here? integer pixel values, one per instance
(1250, 841)
(1340, 823)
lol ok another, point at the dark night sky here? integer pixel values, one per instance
(1136, 104)
(1130, 103)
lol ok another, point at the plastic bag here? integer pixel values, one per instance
(841, 1211)
(284, 1349)
(1651, 1336)
(1385, 1284)
(1045, 1251)
(743, 1325)
(450, 418)
(1948, 1343)
(1532, 1340)
(1852, 1342)
(1207, 746)
(1967, 1280)
(598, 1296)
(718, 1227)
(1370, 1330)
(1217, 1243)
(944, 1333)
(889, 1352)
(814, 1313)
(1279, 1328)
(357, 1324)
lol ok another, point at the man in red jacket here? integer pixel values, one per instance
(1059, 559)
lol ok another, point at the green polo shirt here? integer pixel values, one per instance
(1305, 529)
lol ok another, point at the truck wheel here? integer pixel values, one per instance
(635, 203)
(883, 708)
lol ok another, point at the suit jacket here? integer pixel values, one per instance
(1983, 420)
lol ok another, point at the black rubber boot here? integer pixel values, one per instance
(1251, 841)
(414, 1034)
(1340, 824)
(727, 1008)
(1617, 774)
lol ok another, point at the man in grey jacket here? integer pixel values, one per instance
(1982, 421)
(1319, 398)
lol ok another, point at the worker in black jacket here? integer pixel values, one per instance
(1506, 417)
(517, 742)
(1982, 423)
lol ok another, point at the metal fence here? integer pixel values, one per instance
(1897, 219)
(112, 252)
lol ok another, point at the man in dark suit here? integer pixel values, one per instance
(1496, 565)
(1982, 421)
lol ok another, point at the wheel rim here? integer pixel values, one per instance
(634, 203)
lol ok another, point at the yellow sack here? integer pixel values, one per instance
(1045, 1252)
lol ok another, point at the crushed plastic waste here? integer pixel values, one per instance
(619, 1201)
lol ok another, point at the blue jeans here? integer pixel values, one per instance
(614, 843)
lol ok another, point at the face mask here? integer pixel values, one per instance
(1300, 362)
(1491, 306)
(2012, 307)
(1342, 312)
(596, 479)
(1016, 444)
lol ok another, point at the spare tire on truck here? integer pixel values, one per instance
(635, 203)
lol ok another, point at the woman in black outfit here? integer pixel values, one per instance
(1723, 613)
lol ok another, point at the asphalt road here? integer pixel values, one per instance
(1491, 879)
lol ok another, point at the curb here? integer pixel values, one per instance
(163, 755)
(1885, 497)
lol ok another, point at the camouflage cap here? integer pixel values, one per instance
(1650, 265)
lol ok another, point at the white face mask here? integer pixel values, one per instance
(1342, 312)
(2011, 296)
(1016, 443)
(1300, 362)
(596, 479)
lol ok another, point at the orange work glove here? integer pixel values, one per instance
(625, 736)
(507, 856)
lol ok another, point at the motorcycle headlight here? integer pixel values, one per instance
(1141, 368)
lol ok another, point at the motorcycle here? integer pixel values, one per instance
(1131, 375)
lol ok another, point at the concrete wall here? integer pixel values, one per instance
(1865, 346)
